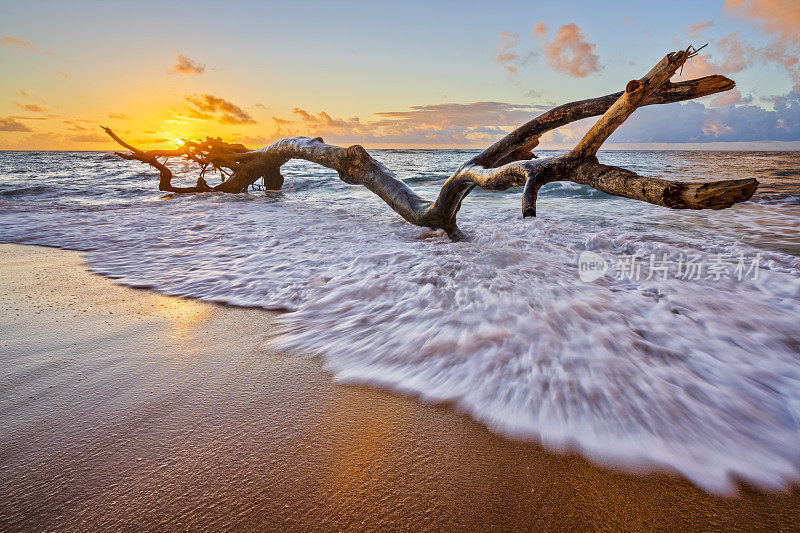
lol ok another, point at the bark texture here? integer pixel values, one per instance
(510, 162)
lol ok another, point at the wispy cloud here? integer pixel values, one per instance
(64, 75)
(471, 114)
(781, 17)
(694, 31)
(730, 97)
(504, 51)
(570, 52)
(88, 138)
(437, 124)
(480, 123)
(10, 41)
(184, 65)
(211, 107)
(9, 124)
(728, 55)
(780, 20)
(33, 108)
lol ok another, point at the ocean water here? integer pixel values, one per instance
(691, 366)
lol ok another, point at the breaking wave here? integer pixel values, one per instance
(699, 376)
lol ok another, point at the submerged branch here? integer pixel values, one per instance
(507, 163)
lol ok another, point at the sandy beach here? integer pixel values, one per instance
(123, 409)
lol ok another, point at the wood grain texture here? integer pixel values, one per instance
(509, 162)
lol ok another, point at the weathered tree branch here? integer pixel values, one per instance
(507, 163)
(517, 144)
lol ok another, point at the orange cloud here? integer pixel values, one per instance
(324, 119)
(540, 29)
(781, 20)
(64, 75)
(734, 56)
(438, 124)
(211, 107)
(727, 98)
(9, 124)
(570, 53)
(33, 108)
(695, 30)
(780, 17)
(7, 40)
(184, 65)
(466, 115)
(715, 127)
(504, 53)
(88, 138)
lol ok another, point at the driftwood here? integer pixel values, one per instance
(509, 162)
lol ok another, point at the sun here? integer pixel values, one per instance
(179, 141)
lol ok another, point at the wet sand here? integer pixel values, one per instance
(123, 409)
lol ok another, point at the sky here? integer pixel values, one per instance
(424, 74)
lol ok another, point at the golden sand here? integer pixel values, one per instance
(122, 409)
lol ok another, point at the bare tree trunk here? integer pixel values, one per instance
(507, 163)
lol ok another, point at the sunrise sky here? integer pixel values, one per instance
(421, 74)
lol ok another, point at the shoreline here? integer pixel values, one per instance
(123, 408)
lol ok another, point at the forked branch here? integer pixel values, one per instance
(507, 163)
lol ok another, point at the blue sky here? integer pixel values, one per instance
(418, 74)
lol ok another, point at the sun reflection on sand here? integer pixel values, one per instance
(180, 337)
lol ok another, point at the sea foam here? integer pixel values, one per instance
(697, 376)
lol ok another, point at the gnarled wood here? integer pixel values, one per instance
(527, 135)
(507, 163)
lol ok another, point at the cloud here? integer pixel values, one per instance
(186, 66)
(540, 28)
(695, 30)
(56, 141)
(33, 108)
(19, 117)
(323, 120)
(727, 56)
(9, 124)
(88, 138)
(780, 20)
(64, 75)
(7, 40)
(476, 123)
(727, 98)
(504, 53)
(464, 115)
(736, 55)
(695, 122)
(481, 123)
(117, 116)
(257, 140)
(570, 53)
(211, 107)
(780, 17)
